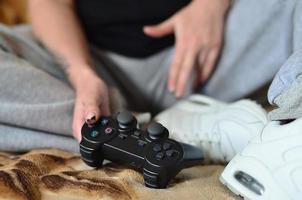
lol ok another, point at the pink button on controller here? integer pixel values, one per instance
(108, 131)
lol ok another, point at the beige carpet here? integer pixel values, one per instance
(55, 174)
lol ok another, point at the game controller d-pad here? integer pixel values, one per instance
(167, 152)
(119, 140)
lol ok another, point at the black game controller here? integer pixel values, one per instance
(119, 140)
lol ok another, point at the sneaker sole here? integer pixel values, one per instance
(251, 185)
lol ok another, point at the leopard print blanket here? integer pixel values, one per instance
(55, 174)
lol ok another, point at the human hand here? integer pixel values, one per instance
(92, 101)
(198, 30)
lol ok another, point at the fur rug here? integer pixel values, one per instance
(13, 11)
(54, 174)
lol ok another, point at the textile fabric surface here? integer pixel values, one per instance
(54, 174)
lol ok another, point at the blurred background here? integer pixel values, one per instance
(13, 12)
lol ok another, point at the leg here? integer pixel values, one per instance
(285, 91)
(257, 42)
(22, 139)
(34, 100)
(142, 81)
(20, 41)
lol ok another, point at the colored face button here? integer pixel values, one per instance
(104, 121)
(108, 131)
(94, 134)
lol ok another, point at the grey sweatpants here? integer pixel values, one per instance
(286, 90)
(36, 101)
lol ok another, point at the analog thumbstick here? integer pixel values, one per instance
(156, 130)
(125, 120)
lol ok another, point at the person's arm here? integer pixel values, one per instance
(56, 25)
(198, 30)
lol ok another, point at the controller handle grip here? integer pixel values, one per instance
(91, 153)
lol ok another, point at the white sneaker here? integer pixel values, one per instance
(220, 129)
(270, 167)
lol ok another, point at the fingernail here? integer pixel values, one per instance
(90, 118)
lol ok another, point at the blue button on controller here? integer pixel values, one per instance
(94, 134)
(104, 121)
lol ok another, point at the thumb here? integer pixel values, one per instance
(160, 30)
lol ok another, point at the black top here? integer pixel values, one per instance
(117, 25)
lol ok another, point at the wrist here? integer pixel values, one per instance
(81, 75)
